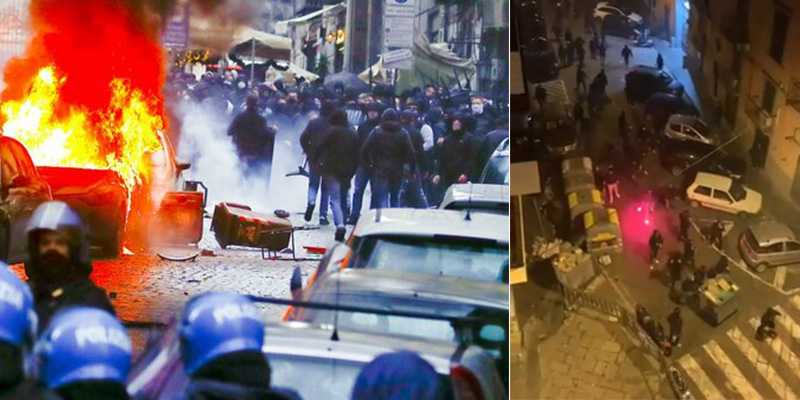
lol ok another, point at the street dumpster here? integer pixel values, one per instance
(578, 174)
(718, 298)
(236, 224)
(584, 200)
(599, 231)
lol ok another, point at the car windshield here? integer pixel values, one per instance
(322, 378)
(481, 260)
(496, 171)
(737, 191)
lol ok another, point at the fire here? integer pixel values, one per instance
(118, 137)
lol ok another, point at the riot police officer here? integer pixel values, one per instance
(85, 353)
(17, 334)
(399, 375)
(221, 336)
(58, 264)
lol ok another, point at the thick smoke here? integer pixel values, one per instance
(204, 142)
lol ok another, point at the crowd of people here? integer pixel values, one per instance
(60, 337)
(408, 147)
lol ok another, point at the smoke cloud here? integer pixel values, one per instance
(205, 144)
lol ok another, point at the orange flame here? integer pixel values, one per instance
(76, 138)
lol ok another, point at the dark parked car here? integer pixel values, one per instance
(22, 189)
(644, 81)
(660, 106)
(676, 156)
(619, 25)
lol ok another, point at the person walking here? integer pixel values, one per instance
(656, 242)
(593, 48)
(767, 326)
(337, 166)
(716, 232)
(611, 183)
(562, 54)
(580, 78)
(627, 53)
(541, 95)
(675, 326)
(660, 62)
(622, 125)
(602, 51)
(688, 253)
(685, 223)
(387, 150)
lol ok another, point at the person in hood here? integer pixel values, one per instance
(398, 376)
(361, 180)
(385, 152)
(17, 335)
(337, 165)
(456, 156)
(84, 353)
(413, 196)
(221, 337)
(58, 264)
(488, 144)
(310, 141)
(254, 139)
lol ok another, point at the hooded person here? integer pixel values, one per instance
(456, 155)
(17, 335)
(413, 194)
(337, 166)
(58, 264)
(488, 144)
(373, 114)
(221, 340)
(397, 376)
(310, 140)
(385, 153)
(84, 353)
(253, 138)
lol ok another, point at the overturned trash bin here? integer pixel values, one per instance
(599, 232)
(584, 200)
(238, 225)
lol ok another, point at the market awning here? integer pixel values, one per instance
(433, 62)
(281, 27)
(267, 46)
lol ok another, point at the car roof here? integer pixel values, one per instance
(713, 180)
(425, 222)
(402, 284)
(769, 232)
(476, 192)
(303, 339)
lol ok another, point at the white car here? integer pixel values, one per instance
(604, 9)
(688, 128)
(724, 194)
(477, 197)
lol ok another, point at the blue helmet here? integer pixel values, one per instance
(17, 314)
(57, 216)
(216, 324)
(396, 376)
(83, 343)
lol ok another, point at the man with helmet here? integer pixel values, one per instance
(84, 353)
(17, 333)
(221, 335)
(58, 265)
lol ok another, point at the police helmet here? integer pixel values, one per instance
(398, 375)
(16, 310)
(58, 216)
(218, 324)
(83, 344)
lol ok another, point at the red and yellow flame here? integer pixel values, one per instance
(81, 137)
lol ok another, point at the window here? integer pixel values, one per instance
(768, 100)
(780, 27)
(703, 191)
(722, 196)
(792, 246)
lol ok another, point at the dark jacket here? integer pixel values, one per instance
(363, 133)
(336, 152)
(314, 135)
(251, 135)
(456, 157)
(82, 291)
(388, 149)
(418, 142)
(486, 148)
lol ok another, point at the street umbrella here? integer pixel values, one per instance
(348, 80)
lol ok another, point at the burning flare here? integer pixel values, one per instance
(74, 140)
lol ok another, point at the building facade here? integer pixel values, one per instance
(744, 55)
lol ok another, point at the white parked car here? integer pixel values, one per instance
(478, 197)
(688, 128)
(604, 9)
(724, 194)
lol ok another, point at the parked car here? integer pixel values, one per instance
(486, 198)
(660, 106)
(497, 169)
(769, 243)
(402, 291)
(618, 24)
(306, 360)
(644, 81)
(22, 189)
(724, 194)
(677, 156)
(605, 9)
(629, 7)
(689, 128)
